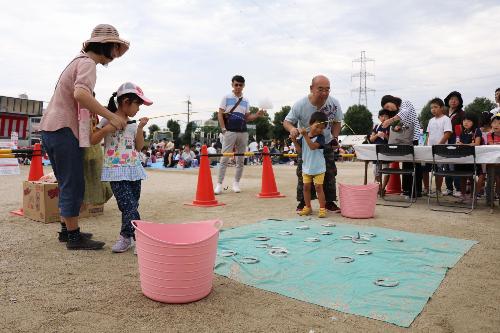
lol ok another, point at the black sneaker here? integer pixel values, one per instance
(332, 207)
(84, 244)
(300, 206)
(63, 236)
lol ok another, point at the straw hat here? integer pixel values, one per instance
(106, 33)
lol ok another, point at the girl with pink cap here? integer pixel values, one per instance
(122, 163)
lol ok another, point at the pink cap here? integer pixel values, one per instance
(129, 87)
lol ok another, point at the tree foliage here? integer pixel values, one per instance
(174, 127)
(425, 115)
(214, 115)
(264, 126)
(359, 119)
(279, 132)
(480, 105)
(151, 129)
(190, 128)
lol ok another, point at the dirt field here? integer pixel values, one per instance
(45, 288)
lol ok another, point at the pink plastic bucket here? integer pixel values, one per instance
(358, 201)
(176, 261)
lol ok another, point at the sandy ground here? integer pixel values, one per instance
(45, 288)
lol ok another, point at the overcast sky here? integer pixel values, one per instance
(421, 49)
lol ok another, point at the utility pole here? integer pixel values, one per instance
(188, 105)
(363, 74)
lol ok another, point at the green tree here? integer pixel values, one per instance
(359, 119)
(479, 105)
(425, 115)
(190, 128)
(279, 132)
(214, 115)
(151, 129)
(174, 127)
(263, 124)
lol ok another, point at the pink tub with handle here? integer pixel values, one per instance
(176, 261)
(358, 201)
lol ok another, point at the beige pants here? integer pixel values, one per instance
(238, 142)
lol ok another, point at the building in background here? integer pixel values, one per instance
(21, 115)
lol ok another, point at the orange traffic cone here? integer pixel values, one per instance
(36, 171)
(394, 184)
(205, 196)
(36, 167)
(269, 189)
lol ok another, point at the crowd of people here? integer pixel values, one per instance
(313, 123)
(450, 124)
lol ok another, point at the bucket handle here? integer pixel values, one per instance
(218, 224)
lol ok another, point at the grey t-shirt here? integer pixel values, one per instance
(303, 109)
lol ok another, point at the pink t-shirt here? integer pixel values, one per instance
(62, 109)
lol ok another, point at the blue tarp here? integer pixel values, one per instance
(311, 273)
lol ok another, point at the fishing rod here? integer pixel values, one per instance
(333, 121)
(163, 116)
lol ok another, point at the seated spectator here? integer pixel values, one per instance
(212, 150)
(168, 159)
(144, 156)
(188, 156)
(153, 156)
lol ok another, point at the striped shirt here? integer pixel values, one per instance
(409, 116)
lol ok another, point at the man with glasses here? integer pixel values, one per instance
(319, 99)
(234, 113)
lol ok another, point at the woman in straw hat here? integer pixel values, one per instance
(59, 126)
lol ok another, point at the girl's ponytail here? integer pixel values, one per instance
(111, 104)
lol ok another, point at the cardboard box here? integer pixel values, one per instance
(40, 203)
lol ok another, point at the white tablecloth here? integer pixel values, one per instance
(484, 155)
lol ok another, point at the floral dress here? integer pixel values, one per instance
(121, 159)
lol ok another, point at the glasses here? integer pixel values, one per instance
(323, 89)
(238, 84)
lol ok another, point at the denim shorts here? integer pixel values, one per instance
(66, 158)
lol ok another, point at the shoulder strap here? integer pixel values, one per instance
(236, 105)
(77, 57)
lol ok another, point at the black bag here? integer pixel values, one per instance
(235, 122)
(402, 137)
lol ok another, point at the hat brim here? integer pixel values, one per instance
(146, 101)
(123, 44)
(457, 95)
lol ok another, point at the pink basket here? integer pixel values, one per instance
(176, 261)
(358, 201)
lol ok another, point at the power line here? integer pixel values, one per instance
(363, 74)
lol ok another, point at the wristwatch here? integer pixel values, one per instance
(223, 130)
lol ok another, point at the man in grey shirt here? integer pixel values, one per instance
(318, 99)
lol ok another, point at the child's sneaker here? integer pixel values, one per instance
(322, 212)
(305, 211)
(122, 245)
